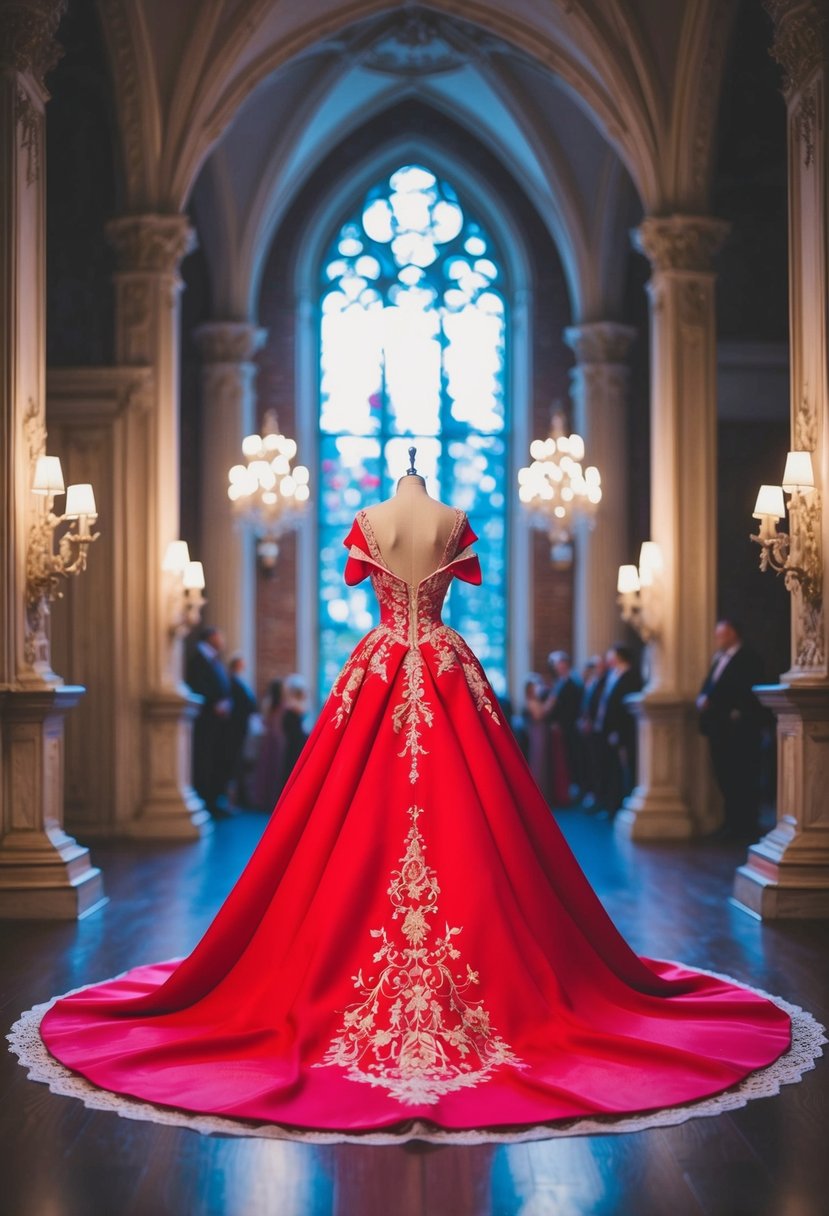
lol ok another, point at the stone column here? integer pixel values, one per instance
(44, 873)
(91, 413)
(674, 796)
(149, 249)
(228, 414)
(599, 383)
(787, 873)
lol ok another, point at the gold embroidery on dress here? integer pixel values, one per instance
(411, 616)
(413, 711)
(451, 650)
(370, 657)
(412, 1033)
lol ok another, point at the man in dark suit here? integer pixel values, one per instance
(616, 728)
(732, 718)
(206, 676)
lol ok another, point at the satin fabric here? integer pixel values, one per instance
(412, 938)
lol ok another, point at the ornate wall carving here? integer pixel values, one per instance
(680, 242)
(115, 20)
(600, 342)
(151, 243)
(806, 124)
(694, 304)
(34, 430)
(708, 93)
(27, 36)
(229, 341)
(30, 125)
(805, 424)
(800, 39)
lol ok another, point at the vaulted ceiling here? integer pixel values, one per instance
(589, 105)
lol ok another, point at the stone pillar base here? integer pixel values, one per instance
(786, 873)
(44, 873)
(672, 800)
(170, 809)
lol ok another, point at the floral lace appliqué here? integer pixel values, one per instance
(413, 1033)
(370, 658)
(413, 712)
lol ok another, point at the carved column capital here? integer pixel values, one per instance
(27, 36)
(680, 242)
(151, 243)
(599, 341)
(229, 341)
(800, 39)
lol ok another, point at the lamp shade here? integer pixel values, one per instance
(177, 557)
(48, 476)
(80, 500)
(770, 502)
(798, 474)
(650, 558)
(628, 580)
(193, 577)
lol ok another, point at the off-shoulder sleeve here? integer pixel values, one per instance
(356, 568)
(466, 565)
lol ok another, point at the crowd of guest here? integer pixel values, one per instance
(578, 732)
(242, 754)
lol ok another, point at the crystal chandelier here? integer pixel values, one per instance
(556, 490)
(267, 493)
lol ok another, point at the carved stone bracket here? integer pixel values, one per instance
(599, 342)
(680, 242)
(27, 36)
(229, 341)
(800, 39)
(151, 243)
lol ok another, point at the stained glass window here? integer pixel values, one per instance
(412, 351)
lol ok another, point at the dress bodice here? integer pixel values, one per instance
(410, 612)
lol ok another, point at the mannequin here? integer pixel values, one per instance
(412, 529)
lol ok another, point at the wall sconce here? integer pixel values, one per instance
(640, 592)
(186, 587)
(45, 568)
(794, 554)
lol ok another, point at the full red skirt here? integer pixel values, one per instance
(414, 948)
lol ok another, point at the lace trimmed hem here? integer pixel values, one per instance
(808, 1038)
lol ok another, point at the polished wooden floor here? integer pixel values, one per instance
(60, 1159)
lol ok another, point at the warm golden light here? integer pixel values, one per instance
(193, 579)
(48, 477)
(770, 503)
(798, 474)
(628, 580)
(80, 500)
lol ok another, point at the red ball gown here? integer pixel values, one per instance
(412, 944)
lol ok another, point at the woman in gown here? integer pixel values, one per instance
(412, 948)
